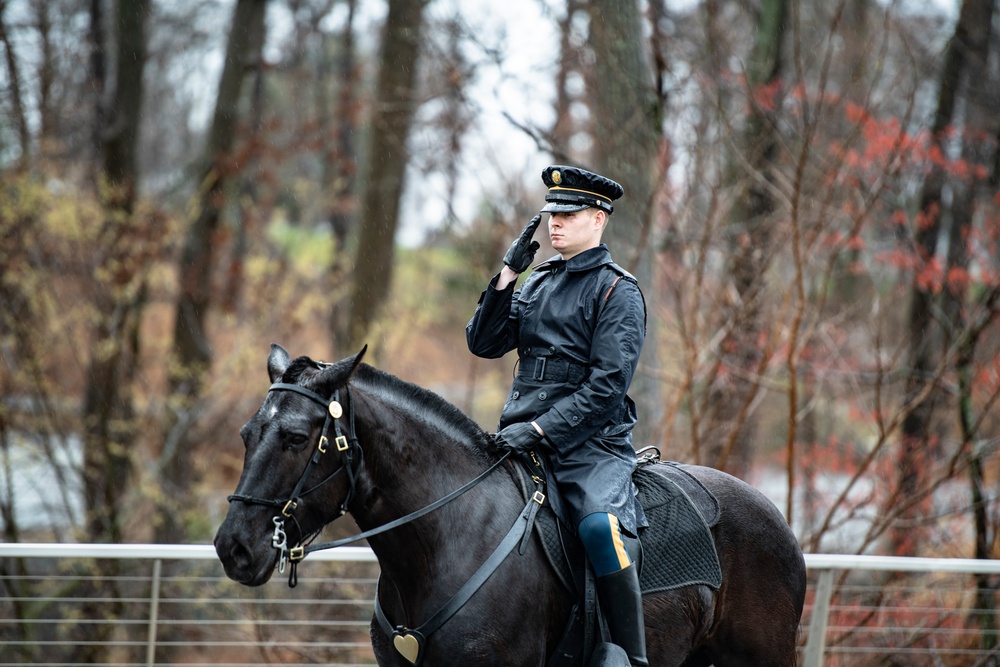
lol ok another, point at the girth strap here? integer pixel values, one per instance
(410, 643)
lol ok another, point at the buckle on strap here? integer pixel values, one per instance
(289, 508)
(538, 373)
(296, 554)
(538, 497)
(341, 441)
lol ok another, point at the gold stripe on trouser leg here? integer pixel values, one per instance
(616, 536)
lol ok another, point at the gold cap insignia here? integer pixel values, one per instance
(556, 177)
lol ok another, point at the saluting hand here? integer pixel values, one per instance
(522, 251)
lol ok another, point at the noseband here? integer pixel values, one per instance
(347, 445)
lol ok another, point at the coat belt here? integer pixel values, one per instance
(550, 369)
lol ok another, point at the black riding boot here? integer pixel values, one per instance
(621, 605)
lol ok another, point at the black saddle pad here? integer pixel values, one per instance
(677, 547)
(700, 496)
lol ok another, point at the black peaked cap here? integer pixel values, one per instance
(574, 189)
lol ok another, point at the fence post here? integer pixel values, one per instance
(154, 613)
(816, 646)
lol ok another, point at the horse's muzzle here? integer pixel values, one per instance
(242, 562)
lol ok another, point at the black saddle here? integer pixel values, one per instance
(675, 550)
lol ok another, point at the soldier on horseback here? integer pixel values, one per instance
(578, 324)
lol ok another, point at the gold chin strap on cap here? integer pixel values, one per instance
(601, 201)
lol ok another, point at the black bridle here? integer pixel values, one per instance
(348, 445)
(409, 642)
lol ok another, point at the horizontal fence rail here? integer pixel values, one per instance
(886, 610)
(124, 605)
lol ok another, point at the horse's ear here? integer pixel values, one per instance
(277, 362)
(356, 360)
(333, 374)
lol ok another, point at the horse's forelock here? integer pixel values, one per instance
(316, 375)
(298, 369)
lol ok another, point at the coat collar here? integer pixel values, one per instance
(585, 261)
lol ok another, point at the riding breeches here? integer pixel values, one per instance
(602, 540)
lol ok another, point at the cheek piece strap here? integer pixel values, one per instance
(350, 450)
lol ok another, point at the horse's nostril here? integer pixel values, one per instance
(232, 552)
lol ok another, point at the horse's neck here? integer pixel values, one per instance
(412, 453)
(409, 464)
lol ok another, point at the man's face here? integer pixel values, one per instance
(572, 233)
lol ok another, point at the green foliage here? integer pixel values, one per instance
(308, 250)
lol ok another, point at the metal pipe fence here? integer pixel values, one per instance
(881, 610)
(64, 605)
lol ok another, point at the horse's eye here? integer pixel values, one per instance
(296, 440)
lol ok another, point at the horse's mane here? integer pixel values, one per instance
(426, 406)
(418, 403)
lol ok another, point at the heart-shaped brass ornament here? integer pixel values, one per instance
(408, 646)
(336, 410)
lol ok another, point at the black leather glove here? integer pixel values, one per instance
(518, 438)
(522, 251)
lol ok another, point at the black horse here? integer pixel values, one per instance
(346, 437)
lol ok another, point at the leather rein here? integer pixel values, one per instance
(410, 643)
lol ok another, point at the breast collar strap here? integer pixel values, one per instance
(410, 643)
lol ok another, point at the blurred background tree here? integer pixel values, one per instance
(812, 208)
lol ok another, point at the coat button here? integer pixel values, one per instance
(542, 395)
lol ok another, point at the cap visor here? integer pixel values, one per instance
(554, 207)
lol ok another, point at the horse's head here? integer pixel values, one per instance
(298, 470)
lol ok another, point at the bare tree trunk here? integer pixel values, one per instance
(98, 70)
(247, 200)
(387, 157)
(750, 247)
(109, 420)
(626, 125)
(626, 132)
(454, 119)
(16, 99)
(48, 131)
(192, 353)
(924, 339)
(564, 126)
(985, 614)
(108, 411)
(339, 174)
(982, 119)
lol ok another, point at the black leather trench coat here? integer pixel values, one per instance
(578, 327)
